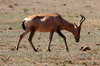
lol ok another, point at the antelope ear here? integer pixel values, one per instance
(75, 25)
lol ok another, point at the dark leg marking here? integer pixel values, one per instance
(50, 38)
(60, 34)
(30, 38)
(21, 36)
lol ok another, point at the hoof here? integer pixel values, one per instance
(67, 50)
(16, 48)
(49, 50)
(35, 50)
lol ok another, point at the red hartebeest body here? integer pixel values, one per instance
(49, 23)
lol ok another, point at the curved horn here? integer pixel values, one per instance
(82, 20)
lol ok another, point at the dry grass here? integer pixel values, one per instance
(13, 11)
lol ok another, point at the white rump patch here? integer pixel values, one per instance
(27, 19)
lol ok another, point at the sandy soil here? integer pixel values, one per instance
(12, 12)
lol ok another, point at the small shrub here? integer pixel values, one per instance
(25, 10)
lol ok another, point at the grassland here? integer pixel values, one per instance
(12, 13)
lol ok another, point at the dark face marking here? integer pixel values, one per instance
(77, 35)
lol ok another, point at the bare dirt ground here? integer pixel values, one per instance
(12, 12)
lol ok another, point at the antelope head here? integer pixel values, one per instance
(78, 29)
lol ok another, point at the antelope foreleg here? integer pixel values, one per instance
(60, 34)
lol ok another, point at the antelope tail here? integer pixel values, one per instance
(23, 25)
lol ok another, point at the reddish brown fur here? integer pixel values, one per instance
(49, 23)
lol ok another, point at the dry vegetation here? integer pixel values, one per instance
(12, 13)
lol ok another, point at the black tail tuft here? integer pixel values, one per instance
(23, 25)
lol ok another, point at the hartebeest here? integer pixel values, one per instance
(49, 23)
